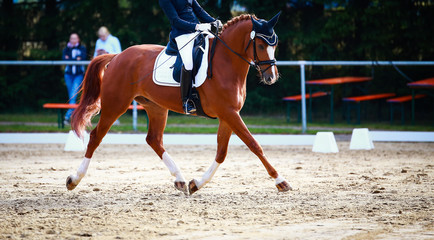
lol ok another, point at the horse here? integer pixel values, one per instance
(112, 82)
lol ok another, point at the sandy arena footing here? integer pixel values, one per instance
(385, 193)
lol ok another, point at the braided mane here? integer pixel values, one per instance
(236, 20)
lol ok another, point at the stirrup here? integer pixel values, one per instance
(189, 107)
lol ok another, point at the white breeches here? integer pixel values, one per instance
(185, 45)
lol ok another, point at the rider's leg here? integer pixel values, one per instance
(186, 85)
(185, 45)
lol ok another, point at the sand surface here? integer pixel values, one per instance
(385, 193)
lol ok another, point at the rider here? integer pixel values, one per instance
(183, 16)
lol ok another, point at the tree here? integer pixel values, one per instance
(307, 30)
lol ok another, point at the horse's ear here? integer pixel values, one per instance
(274, 20)
(254, 20)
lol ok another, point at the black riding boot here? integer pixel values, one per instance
(186, 85)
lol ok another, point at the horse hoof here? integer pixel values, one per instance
(192, 188)
(69, 185)
(181, 186)
(283, 187)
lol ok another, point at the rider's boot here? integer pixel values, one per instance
(186, 85)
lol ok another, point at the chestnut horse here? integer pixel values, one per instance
(112, 82)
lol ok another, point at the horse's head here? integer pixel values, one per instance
(264, 41)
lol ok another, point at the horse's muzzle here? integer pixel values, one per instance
(269, 78)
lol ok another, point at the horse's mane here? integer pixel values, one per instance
(236, 20)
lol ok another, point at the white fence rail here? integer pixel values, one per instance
(301, 64)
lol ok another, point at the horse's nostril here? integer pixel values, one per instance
(272, 79)
(269, 80)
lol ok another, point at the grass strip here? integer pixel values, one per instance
(177, 123)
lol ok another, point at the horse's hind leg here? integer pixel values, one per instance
(157, 123)
(105, 122)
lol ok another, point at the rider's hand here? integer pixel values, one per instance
(203, 27)
(216, 26)
(218, 23)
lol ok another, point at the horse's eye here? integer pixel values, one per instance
(261, 47)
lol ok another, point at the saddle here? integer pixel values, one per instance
(168, 64)
(198, 51)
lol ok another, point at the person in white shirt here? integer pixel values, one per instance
(106, 43)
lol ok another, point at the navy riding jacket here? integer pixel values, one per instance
(183, 15)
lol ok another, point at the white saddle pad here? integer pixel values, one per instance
(163, 73)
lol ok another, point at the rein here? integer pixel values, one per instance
(256, 62)
(213, 52)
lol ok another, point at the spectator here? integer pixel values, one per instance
(106, 43)
(73, 73)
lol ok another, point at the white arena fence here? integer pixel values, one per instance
(300, 64)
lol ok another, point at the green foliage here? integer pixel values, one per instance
(308, 30)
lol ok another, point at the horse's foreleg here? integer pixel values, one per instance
(157, 123)
(237, 125)
(223, 136)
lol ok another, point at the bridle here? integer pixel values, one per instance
(256, 62)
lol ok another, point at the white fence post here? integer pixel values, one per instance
(134, 115)
(303, 98)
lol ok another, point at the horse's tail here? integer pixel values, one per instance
(89, 104)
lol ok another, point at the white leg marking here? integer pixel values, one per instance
(279, 179)
(270, 51)
(207, 175)
(173, 168)
(81, 171)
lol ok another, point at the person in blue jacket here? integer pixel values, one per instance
(184, 16)
(74, 74)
